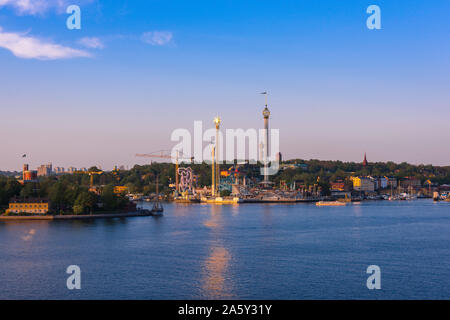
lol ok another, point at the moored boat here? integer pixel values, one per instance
(331, 203)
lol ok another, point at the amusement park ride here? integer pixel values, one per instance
(185, 180)
(225, 180)
(163, 155)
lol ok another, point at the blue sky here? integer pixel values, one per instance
(137, 70)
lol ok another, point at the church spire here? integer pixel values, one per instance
(365, 163)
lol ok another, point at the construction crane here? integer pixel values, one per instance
(91, 175)
(163, 155)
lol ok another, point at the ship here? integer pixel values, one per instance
(157, 210)
(331, 203)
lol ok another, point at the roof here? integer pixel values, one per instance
(28, 200)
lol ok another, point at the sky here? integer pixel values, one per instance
(138, 70)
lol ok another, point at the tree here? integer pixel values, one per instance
(85, 202)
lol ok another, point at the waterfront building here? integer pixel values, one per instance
(392, 182)
(338, 185)
(120, 189)
(410, 182)
(30, 205)
(363, 184)
(380, 182)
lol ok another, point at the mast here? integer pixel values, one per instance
(213, 174)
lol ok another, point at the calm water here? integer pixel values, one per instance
(240, 252)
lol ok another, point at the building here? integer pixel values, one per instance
(279, 157)
(392, 182)
(363, 184)
(365, 163)
(30, 205)
(338, 185)
(380, 182)
(28, 175)
(45, 170)
(410, 183)
(120, 189)
(71, 169)
(59, 170)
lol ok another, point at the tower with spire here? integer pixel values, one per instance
(266, 115)
(365, 163)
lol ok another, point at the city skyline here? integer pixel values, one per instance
(136, 72)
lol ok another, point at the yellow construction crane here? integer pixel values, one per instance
(91, 175)
(163, 155)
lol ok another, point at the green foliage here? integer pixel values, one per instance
(85, 202)
(69, 192)
(9, 188)
(225, 193)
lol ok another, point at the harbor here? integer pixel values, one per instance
(228, 251)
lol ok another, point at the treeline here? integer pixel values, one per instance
(142, 179)
(68, 194)
(330, 171)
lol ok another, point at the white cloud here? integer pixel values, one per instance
(39, 7)
(33, 7)
(157, 38)
(27, 47)
(91, 42)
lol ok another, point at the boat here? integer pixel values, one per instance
(331, 203)
(221, 200)
(346, 199)
(157, 210)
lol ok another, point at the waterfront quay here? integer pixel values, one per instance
(75, 217)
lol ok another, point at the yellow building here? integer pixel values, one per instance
(363, 184)
(120, 189)
(36, 206)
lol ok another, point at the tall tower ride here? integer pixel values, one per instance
(266, 115)
(216, 167)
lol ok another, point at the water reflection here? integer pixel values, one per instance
(216, 280)
(358, 212)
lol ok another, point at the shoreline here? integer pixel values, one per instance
(76, 217)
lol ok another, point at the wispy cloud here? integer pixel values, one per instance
(27, 47)
(39, 7)
(33, 7)
(157, 38)
(91, 42)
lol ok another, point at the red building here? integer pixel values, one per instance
(365, 163)
(28, 175)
